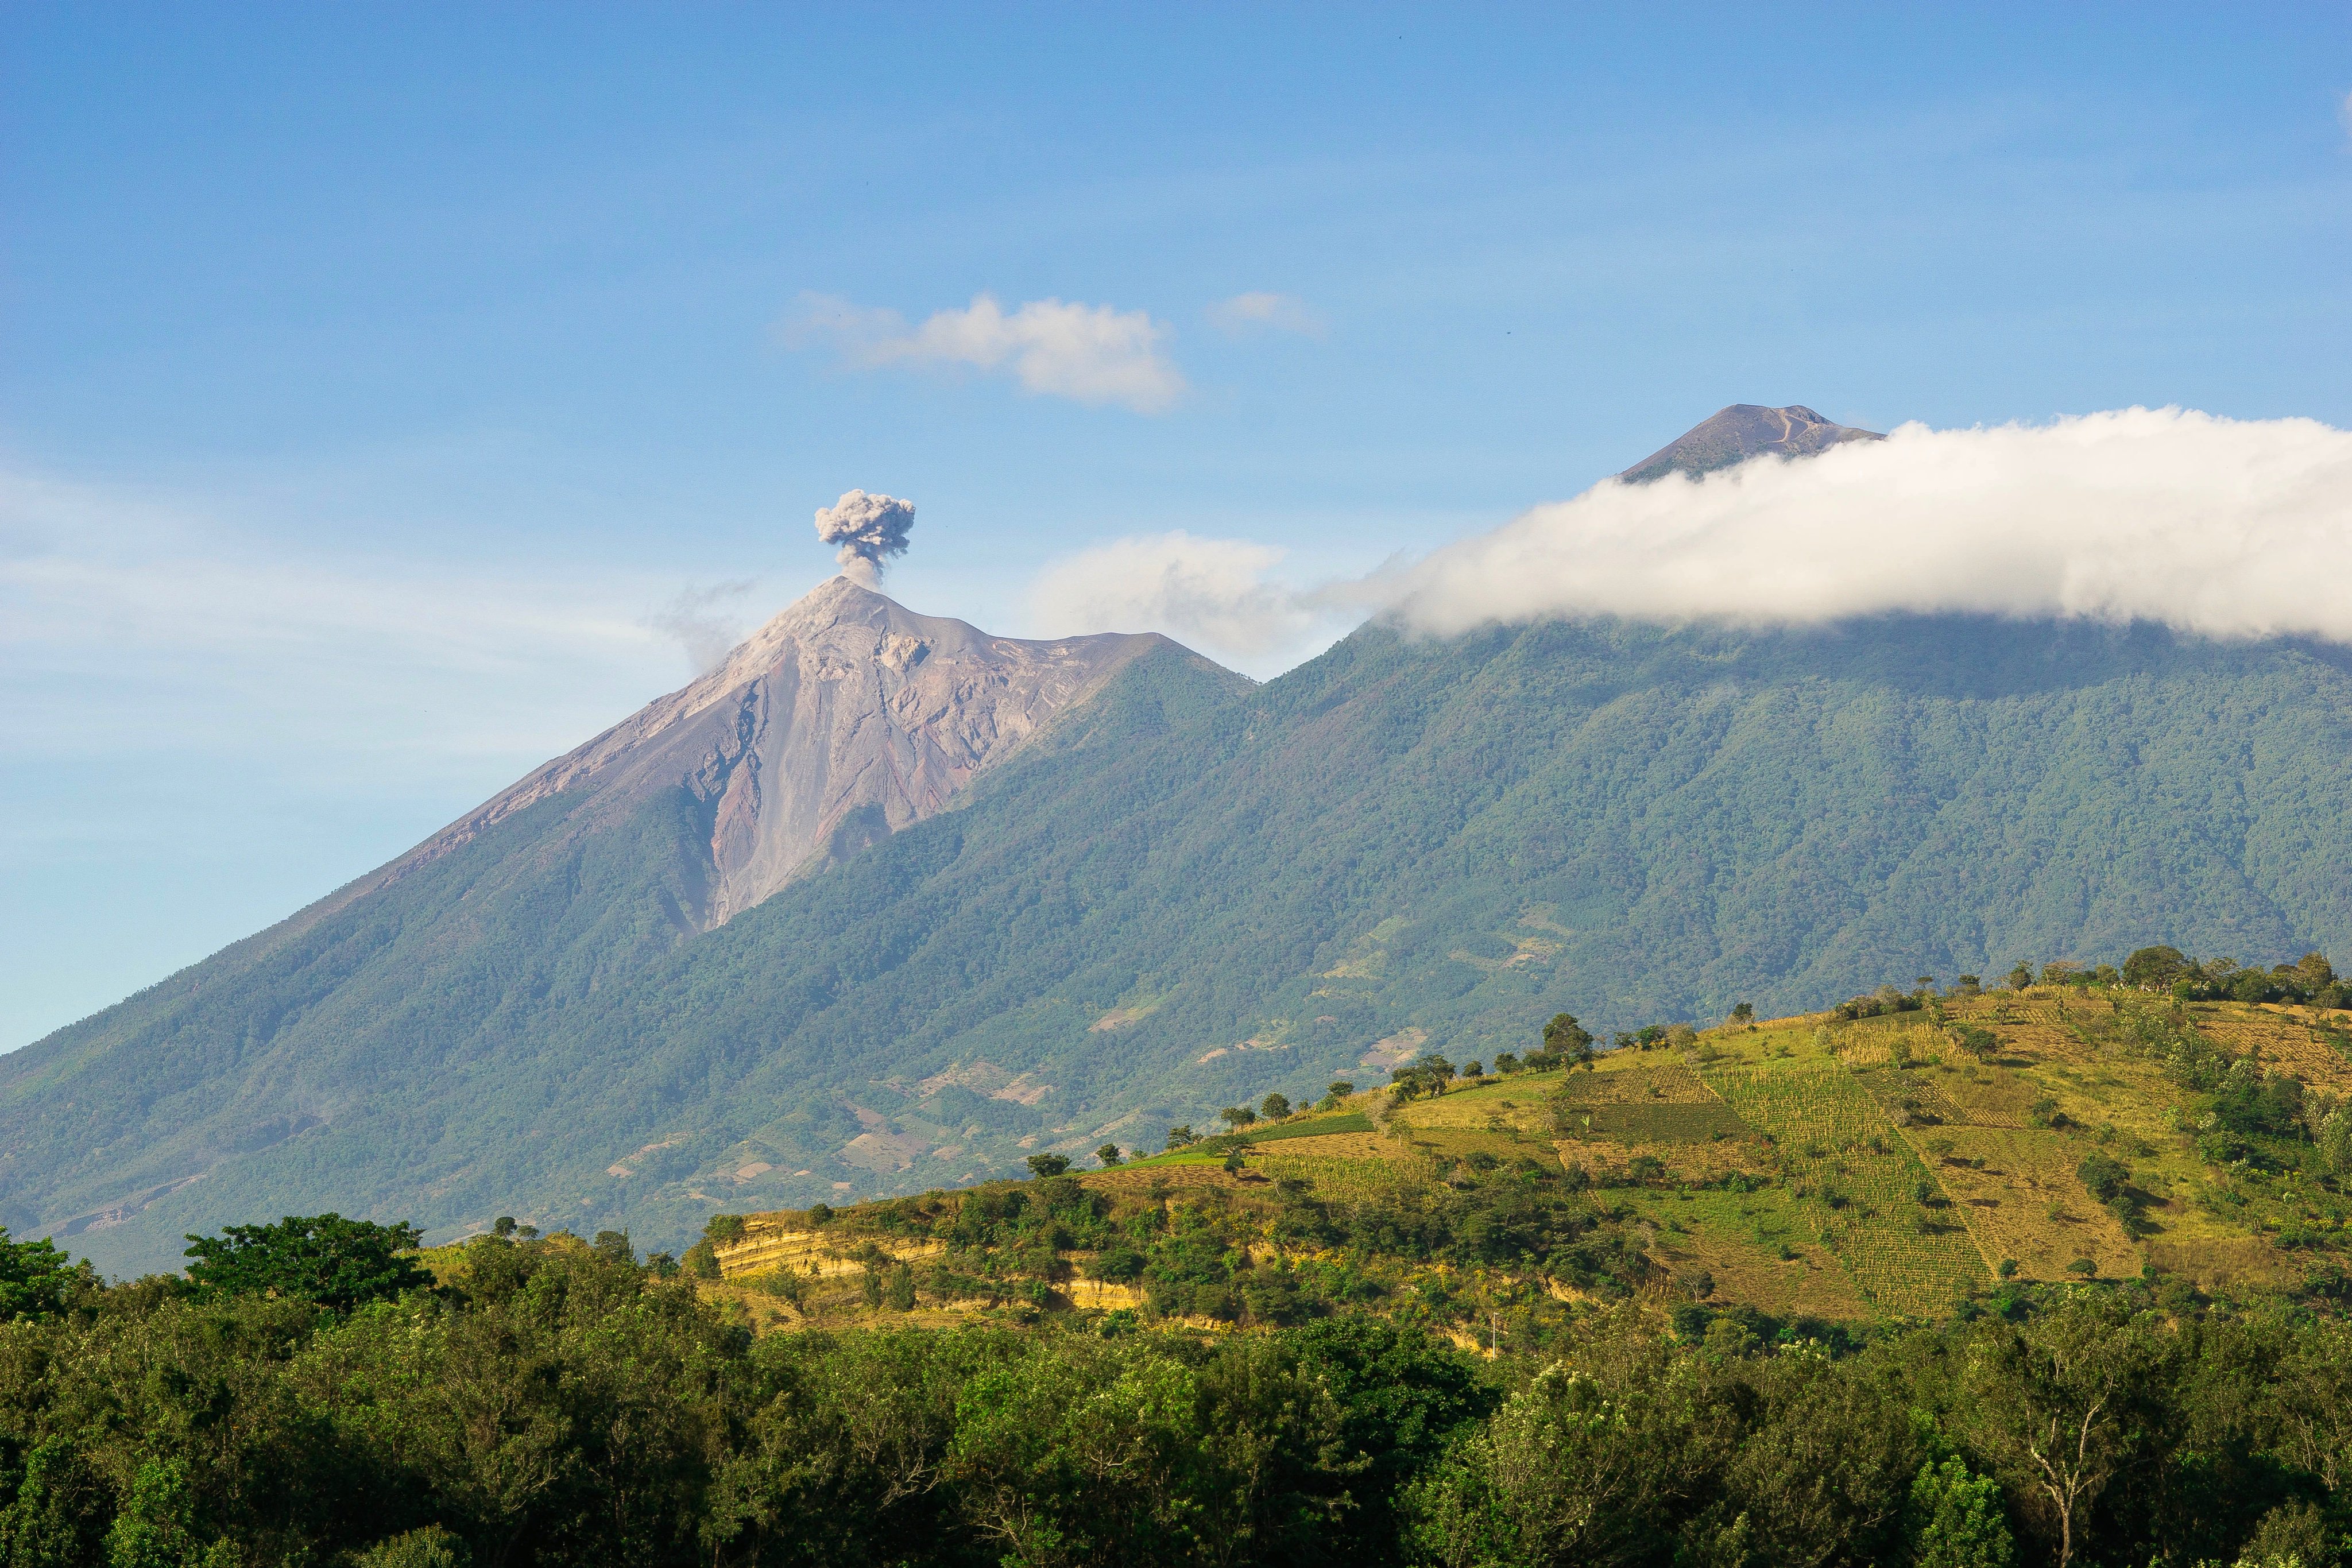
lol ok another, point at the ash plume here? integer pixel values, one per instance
(869, 529)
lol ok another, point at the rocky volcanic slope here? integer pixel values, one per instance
(1744, 430)
(839, 721)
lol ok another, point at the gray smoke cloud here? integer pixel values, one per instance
(869, 529)
(700, 621)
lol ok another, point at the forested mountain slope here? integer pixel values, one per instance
(1192, 897)
(1410, 845)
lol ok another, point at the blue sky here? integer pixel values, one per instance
(377, 378)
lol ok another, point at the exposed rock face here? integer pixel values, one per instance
(839, 721)
(1744, 430)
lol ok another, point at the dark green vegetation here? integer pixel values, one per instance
(325, 1259)
(1184, 898)
(550, 1401)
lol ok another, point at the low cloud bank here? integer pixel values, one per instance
(2216, 527)
(2226, 528)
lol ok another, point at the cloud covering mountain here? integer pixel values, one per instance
(2197, 522)
(2193, 522)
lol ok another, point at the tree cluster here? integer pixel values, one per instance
(550, 1401)
(2310, 980)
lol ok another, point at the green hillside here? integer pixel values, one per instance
(1921, 1163)
(1189, 895)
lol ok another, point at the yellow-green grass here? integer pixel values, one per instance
(1756, 1249)
(1344, 1178)
(1506, 1146)
(2017, 1190)
(1856, 1183)
(1523, 1101)
(1662, 1123)
(1642, 1080)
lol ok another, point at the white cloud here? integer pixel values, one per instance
(1088, 353)
(1210, 595)
(1265, 312)
(2221, 527)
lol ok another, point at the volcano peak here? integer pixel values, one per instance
(1742, 431)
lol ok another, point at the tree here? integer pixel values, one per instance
(1182, 1134)
(1107, 1153)
(1048, 1164)
(1743, 1013)
(35, 1278)
(2021, 977)
(335, 1262)
(1956, 1520)
(1335, 1095)
(1273, 1107)
(1575, 1467)
(431, 1547)
(157, 1527)
(613, 1247)
(2103, 1177)
(2057, 1405)
(2154, 969)
(1569, 1041)
(1238, 1116)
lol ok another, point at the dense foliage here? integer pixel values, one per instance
(323, 1258)
(552, 1402)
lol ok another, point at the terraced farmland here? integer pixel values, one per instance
(1870, 1167)
(1866, 1196)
